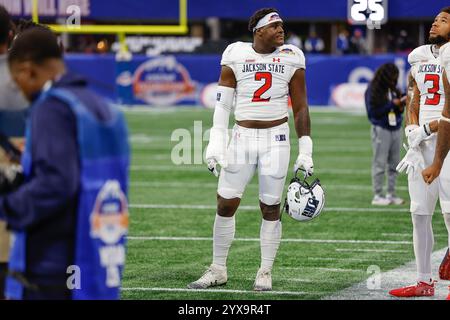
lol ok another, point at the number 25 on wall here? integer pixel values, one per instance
(358, 8)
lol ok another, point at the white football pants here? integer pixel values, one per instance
(424, 197)
(265, 149)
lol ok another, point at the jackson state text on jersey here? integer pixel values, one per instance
(262, 79)
(427, 72)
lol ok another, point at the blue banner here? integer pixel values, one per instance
(129, 10)
(190, 79)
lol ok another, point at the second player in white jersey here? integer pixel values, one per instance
(427, 72)
(262, 89)
(427, 94)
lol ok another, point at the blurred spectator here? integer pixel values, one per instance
(314, 44)
(358, 42)
(385, 106)
(12, 123)
(403, 44)
(342, 42)
(294, 39)
(75, 133)
(87, 44)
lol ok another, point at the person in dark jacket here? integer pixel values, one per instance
(385, 106)
(12, 127)
(75, 141)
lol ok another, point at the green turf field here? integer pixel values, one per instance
(172, 213)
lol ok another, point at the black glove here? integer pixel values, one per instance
(11, 178)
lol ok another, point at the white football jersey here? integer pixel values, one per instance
(262, 88)
(427, 70)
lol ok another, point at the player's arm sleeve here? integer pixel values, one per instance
(54, 181)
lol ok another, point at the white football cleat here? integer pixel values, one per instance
(395, 200)
(215, 276)
(380, 201)
(263, 281)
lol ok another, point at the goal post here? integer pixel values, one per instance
(181, 28)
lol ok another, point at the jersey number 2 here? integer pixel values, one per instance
(433, 90)
(267, 77)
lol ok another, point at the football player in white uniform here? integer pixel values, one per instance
(259, 76)
(424, 112)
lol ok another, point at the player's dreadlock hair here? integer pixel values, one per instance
(258, 15)
(5, 25)
(446, 10)
(36, 45)
(385, 79)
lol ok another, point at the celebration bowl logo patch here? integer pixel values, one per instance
(162, 81)
(109, 219)
(287, 51)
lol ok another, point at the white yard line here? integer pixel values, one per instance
(252, 208)
(371, 250)
(283, 240)
(409, 235)
(299, 280)
(201, 168)
(344, 259)
(323, 269)
(294, 293)
(184, 185)
(404, 275)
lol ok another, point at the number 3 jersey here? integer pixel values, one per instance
(262, 88)
(427, 71)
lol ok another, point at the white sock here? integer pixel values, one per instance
(270, 237)
(223, 235)
(447, 224)
(423, 245)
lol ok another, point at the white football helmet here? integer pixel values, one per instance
(304, 201)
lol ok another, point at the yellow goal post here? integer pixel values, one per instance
(122, 30)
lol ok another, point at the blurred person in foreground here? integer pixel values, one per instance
(13, 107)
(427, 99)
(385, 106)
(69, 216)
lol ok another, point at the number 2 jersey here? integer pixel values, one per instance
(426, 70)
(262, 88)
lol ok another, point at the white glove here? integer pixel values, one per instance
(304, 160)
(412, 162)
(216, 150)
(416, 134)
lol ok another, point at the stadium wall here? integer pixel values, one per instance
(202, 9)
(190, 79)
